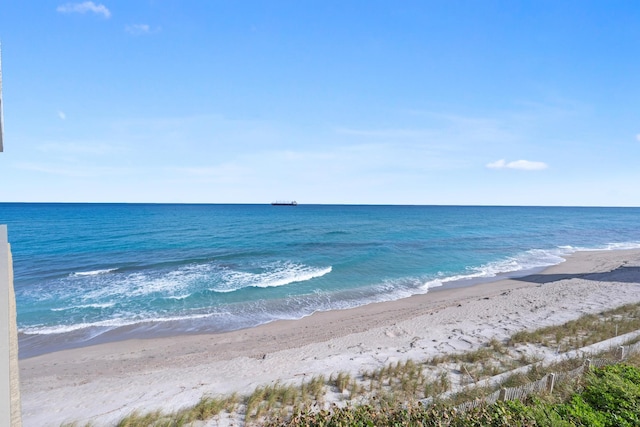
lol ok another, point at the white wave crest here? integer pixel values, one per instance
(106, 325)
(178, 297)
(171, 283)
(275, 275)
(92, 273)
(529, 260)
(97, 305)
(621, 246)
(616, 246)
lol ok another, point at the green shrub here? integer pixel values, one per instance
(581, 413)
(615, 392)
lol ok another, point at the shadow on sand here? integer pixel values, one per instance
(620, 274)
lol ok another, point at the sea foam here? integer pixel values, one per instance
(272, 275)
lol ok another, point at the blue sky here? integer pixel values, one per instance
(374, 102)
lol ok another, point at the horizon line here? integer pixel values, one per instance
(329, 204)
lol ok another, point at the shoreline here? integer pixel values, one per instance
(135, 332)
(104, 382)
(33, 345)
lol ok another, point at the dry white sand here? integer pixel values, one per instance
(103, 383)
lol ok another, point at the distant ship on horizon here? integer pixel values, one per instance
(284, 203)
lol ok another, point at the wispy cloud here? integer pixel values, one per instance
(62, 115)
(67, 170)
(84, 7)
(138, 29)
(638, 137)
(527, 165)
(80, 148)
(386, 133)
(33, 167)
(223, 173)
(502, 127)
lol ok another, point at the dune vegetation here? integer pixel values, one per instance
(397, 394)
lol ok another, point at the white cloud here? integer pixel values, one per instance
(84, 7)
(74, 148)
(527, 165)
(62, 115)
(498, 164)
(74, 171)
(138, 29)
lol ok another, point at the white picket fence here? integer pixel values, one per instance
(547, 383)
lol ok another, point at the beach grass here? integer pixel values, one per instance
(409, 380)
(608, 396)
(584, 331)
(205, 409)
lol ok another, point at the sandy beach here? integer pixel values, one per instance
(102, 383)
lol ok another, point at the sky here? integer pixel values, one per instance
(336, 102)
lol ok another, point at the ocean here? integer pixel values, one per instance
(91, 273)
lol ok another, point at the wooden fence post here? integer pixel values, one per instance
(551, 381)
(621, 352)
(503, 394)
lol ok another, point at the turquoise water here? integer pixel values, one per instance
(87, 273)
